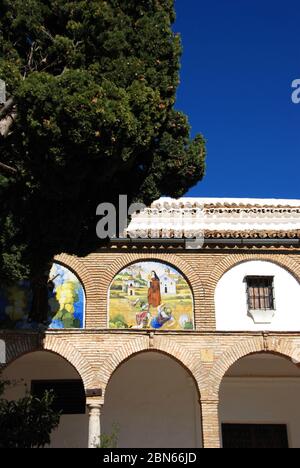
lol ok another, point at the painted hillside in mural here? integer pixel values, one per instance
(150, 295)
(65, 305)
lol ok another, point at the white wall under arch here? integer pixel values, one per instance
(262, 389)
(231, 299)
(155, 403)
(72, 431)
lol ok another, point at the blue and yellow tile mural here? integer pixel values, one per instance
(150, 295)
(65, 305)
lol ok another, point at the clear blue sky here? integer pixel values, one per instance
(240, 58)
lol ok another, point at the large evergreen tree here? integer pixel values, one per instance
(91, 88)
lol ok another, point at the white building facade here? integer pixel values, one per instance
(215, 359)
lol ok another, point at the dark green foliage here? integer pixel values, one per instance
(12, 265)
(28, 422)
(94, 84)
(110, 440)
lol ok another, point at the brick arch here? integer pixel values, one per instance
(233, 260)
(57, 346)
(171, 259)
(162, 345)
(77, 266)
(71, 354)
(19, 345)
(287, 348)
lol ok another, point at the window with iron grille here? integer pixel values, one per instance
(260, 292)
(69, 395)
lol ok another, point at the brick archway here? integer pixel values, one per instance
(126, 259)
(67, 351)
(77, 266)
(287, 348)
(233, 260)
(162, 345)
(17, 346)
(236, 259)
(57, 346)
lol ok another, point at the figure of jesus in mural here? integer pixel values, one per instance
(154, 295)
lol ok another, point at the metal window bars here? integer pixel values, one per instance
(260, 292)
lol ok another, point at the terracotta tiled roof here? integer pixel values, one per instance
(217, 218)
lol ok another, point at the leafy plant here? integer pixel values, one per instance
(27, 422)
(110, 440)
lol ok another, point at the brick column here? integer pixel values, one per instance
(95, 408)
(210, 424)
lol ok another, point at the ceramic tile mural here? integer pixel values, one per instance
(65, 305)
(150, 295)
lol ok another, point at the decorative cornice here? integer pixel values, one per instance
(252, 234)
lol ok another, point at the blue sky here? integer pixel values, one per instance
(240, 58)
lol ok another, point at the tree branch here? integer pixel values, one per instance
(6, 124)
(30, 57)
(7, 107)
(6, 168)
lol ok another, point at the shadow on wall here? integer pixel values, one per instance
(41, 370)
(65, 305)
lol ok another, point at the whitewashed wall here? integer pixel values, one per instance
(73, 429)
(231, 299)
(155, 403)
(263, 389)
(263, 401)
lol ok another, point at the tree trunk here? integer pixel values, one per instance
(7, 107)
(5, 168)
(40, 287)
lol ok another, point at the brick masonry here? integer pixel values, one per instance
(207, 355)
